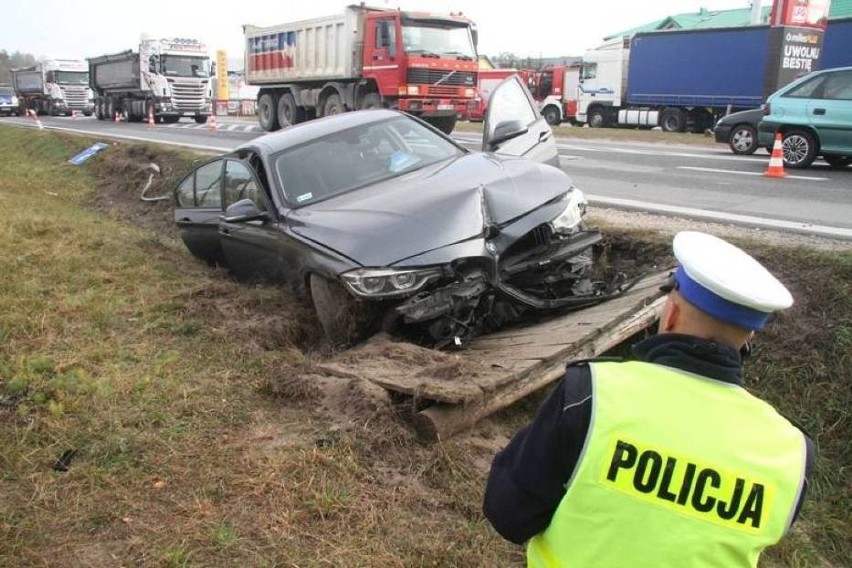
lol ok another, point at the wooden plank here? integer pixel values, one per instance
(442, 421)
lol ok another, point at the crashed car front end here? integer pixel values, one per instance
(541, 262)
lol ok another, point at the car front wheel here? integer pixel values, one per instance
(799, 147)
(344, 320)
(743, 140)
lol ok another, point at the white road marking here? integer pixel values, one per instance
(232, 127)
(714, 170)
(792, 226)
(217, 149)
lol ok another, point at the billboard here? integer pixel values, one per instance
(800, 13)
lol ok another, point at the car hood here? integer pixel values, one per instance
(428, 209)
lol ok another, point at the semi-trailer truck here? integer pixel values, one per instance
(54, 87)
(687, 79)
(421, 63)
(166, 78)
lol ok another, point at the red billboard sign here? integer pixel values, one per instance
(800, 13)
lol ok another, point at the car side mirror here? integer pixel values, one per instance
(506, 131)
(243, 211)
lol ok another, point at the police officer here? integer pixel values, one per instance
(664, 460)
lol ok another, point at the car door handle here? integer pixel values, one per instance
(819, 111)
(224, 231)
(184, 221)
(544, 136)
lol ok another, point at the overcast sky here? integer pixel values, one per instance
(54, 28)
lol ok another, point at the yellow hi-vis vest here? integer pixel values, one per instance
(679, 471)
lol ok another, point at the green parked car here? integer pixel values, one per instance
(814, 116)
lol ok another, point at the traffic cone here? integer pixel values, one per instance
(776, 162)
(117, 117)
(211, 122)
(150, 118)
(34, 115)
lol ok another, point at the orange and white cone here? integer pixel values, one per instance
(117, 117)
(211, 122)
(150, 118)
(776, 162)
(34, 115)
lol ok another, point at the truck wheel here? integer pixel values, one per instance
(171, 119)
(673, 120)
(200, 119)
(743, 140)
(267, 112)
(551, 115)
(371, 100)
(333, 105)
(343, 319)
(799, 147)
(597, 119)
(445, 124)
(288, 112)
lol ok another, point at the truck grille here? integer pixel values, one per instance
(187, 96)
(448, 78)
(76, 97)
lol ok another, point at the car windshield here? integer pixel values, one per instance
(436, 40)
(181, 66)
(72, 77)
(353, 158)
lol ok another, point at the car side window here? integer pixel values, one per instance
(838, 86)
(185, 193)
(208, 185)
(806, 90)
(241, 184)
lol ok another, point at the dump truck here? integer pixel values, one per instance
(421, 63)
(166, 78)
(54, 87)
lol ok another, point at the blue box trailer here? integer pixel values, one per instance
(714, 68)
(688, 79)
(837, 44)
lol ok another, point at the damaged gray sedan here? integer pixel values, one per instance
(385, 222)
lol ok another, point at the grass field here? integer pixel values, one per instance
(151, 411)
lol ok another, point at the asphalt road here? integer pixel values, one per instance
(693, 181)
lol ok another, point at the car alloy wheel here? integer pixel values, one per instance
(743, 140)
(799, 149)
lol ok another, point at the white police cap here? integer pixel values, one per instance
(725, 282)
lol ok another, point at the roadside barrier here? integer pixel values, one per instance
(211, 122)
(776, 162)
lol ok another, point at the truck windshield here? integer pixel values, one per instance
(71, 77)
(182, 66)
(434, 40)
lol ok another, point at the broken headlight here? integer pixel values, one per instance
(388, 282)
(575, 207)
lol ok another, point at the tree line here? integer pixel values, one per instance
(9, 61)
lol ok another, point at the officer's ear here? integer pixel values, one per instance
(670, 315)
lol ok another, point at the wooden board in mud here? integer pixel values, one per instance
(459, 388)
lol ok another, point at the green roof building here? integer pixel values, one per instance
(737, 17)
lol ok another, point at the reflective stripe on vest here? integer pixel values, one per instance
(677, 470)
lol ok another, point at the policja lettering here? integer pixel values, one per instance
(681, 484)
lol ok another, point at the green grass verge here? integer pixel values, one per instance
(169, 390)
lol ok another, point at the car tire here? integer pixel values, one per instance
(673, 120)
(343, 319)
(445, 124)
(370, 101)
(267, 112)
(743, 140)
(597, 118)
(288, 112)
(800, 148)
(551, 115)
(838, 161)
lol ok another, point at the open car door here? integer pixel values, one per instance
(514, 127)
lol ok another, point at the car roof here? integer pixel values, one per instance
(311, 130)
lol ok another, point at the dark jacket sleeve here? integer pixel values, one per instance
(528, 477)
